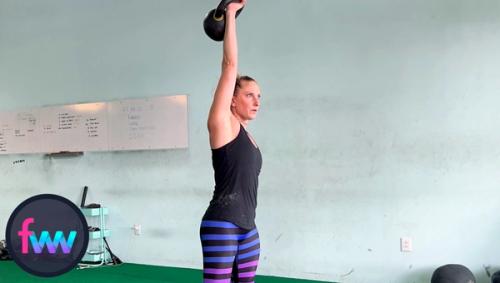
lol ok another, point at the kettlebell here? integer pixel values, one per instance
(495, 278)
(215, 21)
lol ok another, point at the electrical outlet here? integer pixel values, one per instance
(137, 229)
(406, 244)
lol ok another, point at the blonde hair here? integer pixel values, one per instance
(240, 79)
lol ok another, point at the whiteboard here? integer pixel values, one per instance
(154, 123)
(76, 127)
(138, 124)
(19, 131)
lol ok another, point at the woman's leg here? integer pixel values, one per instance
(219, 240)
(247, 257)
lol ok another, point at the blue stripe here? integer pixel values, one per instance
(219, 237)
(228, 236)
(252, 243)
(219, 224)
(220, 248)
(219, 259)
(249, 254)
(249, 234)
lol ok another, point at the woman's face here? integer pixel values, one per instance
(246, 101)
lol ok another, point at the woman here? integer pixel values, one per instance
(228, 233)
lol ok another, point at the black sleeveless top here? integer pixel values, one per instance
(236, 169)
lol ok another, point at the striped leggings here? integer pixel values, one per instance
(230, 253)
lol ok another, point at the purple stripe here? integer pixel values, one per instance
(218, 270)
(217, 280)
(247, 264)
(246, 274)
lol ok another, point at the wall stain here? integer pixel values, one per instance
(348, 273)
(277, 239)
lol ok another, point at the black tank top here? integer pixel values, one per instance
(236, 169)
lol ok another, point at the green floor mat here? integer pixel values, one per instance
(124, 273)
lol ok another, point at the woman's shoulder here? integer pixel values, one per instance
(222, 136)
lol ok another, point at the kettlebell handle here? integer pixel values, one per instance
(220, 11)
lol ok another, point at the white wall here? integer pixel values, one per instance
(379, 120)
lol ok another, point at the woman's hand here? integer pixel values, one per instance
(234, 6)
